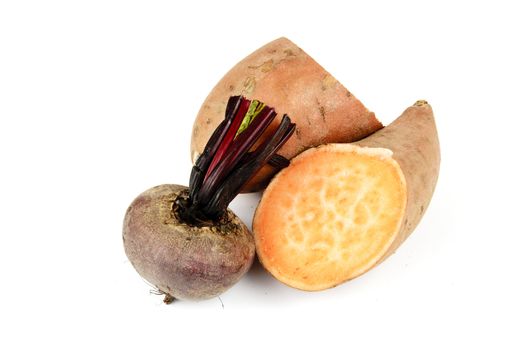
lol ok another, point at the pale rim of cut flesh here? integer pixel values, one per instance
(330, 216)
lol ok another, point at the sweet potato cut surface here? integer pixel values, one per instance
(283, 76)
(340, 209)
(330, 216)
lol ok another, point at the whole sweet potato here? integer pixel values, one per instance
(282, 75)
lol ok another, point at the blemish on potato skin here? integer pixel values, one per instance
(322, 110)
(265, 67)
(289, 52)
(328, 82)
(249, 85)
(208, 121)
(231, 87)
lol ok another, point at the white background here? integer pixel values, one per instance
(97, 100)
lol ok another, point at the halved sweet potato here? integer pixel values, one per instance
(340, 209)
(282, 75)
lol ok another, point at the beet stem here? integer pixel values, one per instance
(203, 162)
(233, 184)
(278, 161)
(227, 163)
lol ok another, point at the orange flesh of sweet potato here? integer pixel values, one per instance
(340, 209)
(284, 77)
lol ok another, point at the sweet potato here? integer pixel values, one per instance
(340, 209)
(282, 75)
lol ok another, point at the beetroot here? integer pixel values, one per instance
(184, 240)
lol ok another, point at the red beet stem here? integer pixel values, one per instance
(226, 163)
(230, 135)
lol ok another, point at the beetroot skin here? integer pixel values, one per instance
(183, 261)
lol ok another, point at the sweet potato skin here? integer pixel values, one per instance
(182, 261)
(283, 76)
(414, 141)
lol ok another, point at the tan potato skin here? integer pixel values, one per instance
(284, 77)
(413, 139)
(181, 261)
